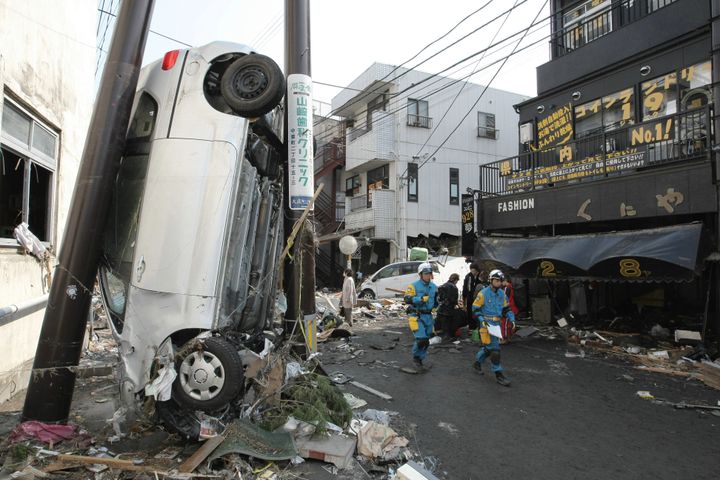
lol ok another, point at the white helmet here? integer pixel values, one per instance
(496, 274)
(424, 268)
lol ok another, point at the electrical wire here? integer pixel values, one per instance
(457, 95)
(269, 34)
(537, 22)
(104, 36)
(154, 32)
(484, 90)
(438, 74)
(380, 87)
(453, 82)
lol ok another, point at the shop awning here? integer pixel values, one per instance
(658, 254)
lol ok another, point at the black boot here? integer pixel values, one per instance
(502, 379)
(418, 363)
(478, 368)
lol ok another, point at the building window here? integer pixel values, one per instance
(659, 96)
(454, 186)
(486, 126)
(588, 21)
(377, 179)
(605, 114)
(377, 104)
(412, 182)
(352, 186)
(28, 161)
(694, 85)
(418, 114)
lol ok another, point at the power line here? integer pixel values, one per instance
(437, 125)
(151, 31)
(104, 36)
(102, 7)
(423, 49)
(484, 90)
(269, 33)
(430, 76)
(266, 28)
(453, 82)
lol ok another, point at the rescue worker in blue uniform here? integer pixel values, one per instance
(489, 306)
(421, 296)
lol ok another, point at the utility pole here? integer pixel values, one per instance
(52, 382)
(299, 270)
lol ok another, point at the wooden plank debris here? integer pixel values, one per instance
(201, 454)
(362, 386)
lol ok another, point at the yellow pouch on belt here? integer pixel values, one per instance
(484, 336)
(413, 323)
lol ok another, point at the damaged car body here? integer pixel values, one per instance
(191, 247)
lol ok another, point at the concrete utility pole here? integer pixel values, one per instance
(59, 347)
(715, 152)
(299, 271)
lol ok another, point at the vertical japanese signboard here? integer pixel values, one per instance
(468, 225)
(300, 141)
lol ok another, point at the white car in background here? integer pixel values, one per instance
(392, 280)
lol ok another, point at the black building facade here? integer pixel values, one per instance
(613, 191)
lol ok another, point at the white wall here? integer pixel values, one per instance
(432, 214)
(47, 61)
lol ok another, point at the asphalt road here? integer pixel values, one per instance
(562, 418)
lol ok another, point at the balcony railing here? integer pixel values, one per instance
(358, 202)
(623, 151)
(419, 121)
(589, 27)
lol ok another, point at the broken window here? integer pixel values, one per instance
(28, 159)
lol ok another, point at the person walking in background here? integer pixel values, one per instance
(507, 325)
(349, 296)
(447, 318)
(420, 296)
(472, 280)
(488, 307)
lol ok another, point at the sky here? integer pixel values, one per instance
(347, 37)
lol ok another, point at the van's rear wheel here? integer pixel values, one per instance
(253, 85)
(209, 376)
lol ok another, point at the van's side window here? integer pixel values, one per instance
(121, 229)
(388, 272)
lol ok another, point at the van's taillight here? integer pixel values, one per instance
(169, 59)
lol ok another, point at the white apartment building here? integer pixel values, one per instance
(47, 69)
(402, 190)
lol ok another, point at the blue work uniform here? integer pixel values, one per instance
(488, 308)
(420, 314)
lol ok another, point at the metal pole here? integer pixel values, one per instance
(51, 385)
(715, 154)
(299, 272)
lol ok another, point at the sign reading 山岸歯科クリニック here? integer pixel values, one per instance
(300, 145)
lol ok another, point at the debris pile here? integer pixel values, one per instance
(680, 353)
(292, 413)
